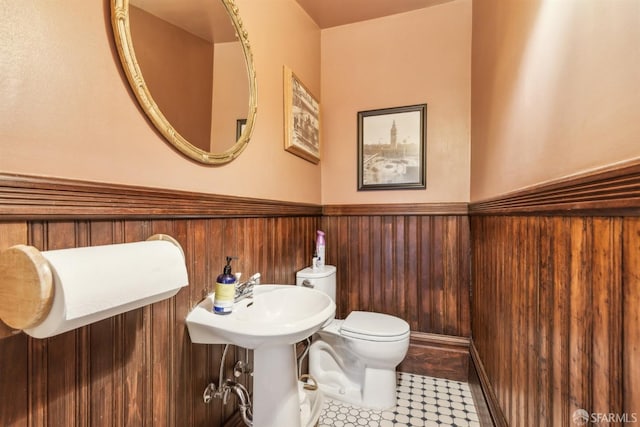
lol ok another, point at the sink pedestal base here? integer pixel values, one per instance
(275, 387)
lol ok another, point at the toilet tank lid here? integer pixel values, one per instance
(374, 324)
(310, 273)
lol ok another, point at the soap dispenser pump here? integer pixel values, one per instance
(225, 290)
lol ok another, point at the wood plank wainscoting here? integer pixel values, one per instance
(410, 261)
(556, 300)
(138, 368)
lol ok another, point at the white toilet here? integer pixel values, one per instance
(354, 359)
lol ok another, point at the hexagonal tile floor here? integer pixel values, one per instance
(422, 401)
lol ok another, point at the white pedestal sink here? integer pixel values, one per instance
(270, 323)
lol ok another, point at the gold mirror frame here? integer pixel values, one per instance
(122, 35)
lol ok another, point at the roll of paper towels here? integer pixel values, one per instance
(97, 282)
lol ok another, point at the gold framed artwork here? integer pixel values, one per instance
(301, 119)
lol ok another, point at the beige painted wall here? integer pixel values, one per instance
(67, 111)
(556, 90)
(412, 58)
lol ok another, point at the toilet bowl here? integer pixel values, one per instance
(354, 360)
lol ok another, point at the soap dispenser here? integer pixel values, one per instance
(225, 290)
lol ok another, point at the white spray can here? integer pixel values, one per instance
(320, 248)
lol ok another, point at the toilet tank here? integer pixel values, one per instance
(322, 279)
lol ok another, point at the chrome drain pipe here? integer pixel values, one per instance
(244, 399)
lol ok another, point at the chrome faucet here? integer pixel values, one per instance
(245, 289)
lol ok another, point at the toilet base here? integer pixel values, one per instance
(378, 389)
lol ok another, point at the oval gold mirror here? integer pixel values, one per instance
(189, 64)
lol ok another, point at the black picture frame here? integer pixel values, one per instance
(392, 148)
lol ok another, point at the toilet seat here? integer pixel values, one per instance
(374, 327)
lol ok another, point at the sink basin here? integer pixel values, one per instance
(276, 315)
(270, 323)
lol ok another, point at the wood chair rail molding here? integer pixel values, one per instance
(613, 190)
(460, 208)
(29, 197)
(32, 197)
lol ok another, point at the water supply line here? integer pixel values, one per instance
(225, 387)
(221, 371)
(213, 392)
(307, 344)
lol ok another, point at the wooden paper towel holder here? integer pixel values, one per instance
(26, 285)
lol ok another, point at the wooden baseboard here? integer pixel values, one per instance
(488, 409)
(440, 356)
